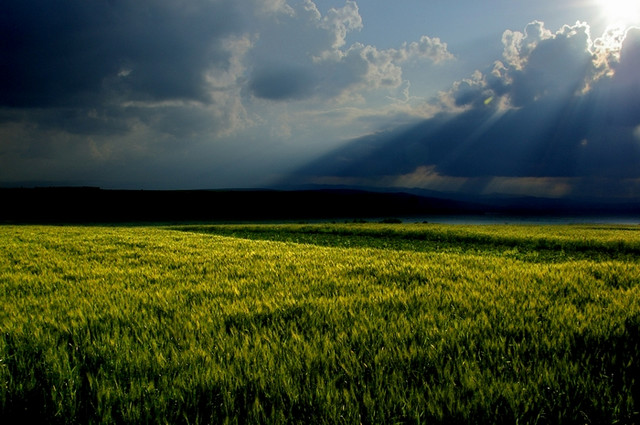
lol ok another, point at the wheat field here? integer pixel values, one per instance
(325, 324)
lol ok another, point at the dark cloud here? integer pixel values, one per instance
(536, 64)
(97, 87)
(534, 123)
(557, 65)
(109, 67)
(627, 70)
(282, 83)
(77, 52)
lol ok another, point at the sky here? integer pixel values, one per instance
(537, 98)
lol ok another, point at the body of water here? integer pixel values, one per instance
(519, 219)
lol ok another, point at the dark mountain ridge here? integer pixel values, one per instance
(91, 204)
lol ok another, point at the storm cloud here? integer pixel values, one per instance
(544, 120)
(89, 89)
(76, 52)
(219, 93)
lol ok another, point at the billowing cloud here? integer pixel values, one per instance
(341, 21)
(558, 65)
(536, 64)
(539, 64)
(318, 62)
(550, 118)
(214, 92)
(91, 88)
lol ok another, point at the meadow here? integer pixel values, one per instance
(320, 323)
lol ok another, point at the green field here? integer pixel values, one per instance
(313, 324)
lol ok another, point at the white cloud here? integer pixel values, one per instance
(426, 48)
(270, 7)
(518, 46)
(538, 63)
(319, 64)
(341, 21)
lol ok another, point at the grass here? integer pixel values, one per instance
(330, 323)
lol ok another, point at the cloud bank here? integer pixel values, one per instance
(558, 115)
(119, 90)
(218, 93)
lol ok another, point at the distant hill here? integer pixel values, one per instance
(90, 204)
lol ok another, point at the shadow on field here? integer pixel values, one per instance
(431, 238)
